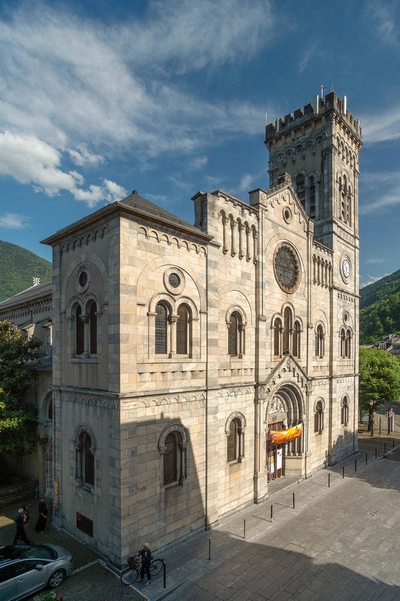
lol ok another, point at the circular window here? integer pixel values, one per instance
(287, 215)
(287, 271)
(83, 278)
(174, 280)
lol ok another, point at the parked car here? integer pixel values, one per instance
(27, 569)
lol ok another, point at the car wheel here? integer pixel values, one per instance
(56, 578)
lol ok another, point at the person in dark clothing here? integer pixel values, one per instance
(146, 561)
(20, 533)
(43, 511)
(26, 515)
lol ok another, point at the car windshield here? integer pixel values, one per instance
(24, 552)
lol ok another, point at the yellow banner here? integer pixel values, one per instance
(281, 436)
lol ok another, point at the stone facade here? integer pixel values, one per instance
(180, 350)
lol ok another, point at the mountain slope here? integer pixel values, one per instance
(18, 267)
(380, 309)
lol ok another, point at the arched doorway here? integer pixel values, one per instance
(285, 411)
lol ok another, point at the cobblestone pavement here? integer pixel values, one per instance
(331, 538)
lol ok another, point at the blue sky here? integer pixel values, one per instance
(169, 97)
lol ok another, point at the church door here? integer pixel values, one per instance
(275, 454)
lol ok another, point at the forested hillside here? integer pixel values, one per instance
(18, 267)
(380, 309)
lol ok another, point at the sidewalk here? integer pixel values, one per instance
(338, 543)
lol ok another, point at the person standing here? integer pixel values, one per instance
(43, 511)
(20, 533)
(146, 561)
(26, 515)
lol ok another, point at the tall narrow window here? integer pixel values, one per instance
(183, 331)
(161, 324)
(172, 446)
(234, 335)
(319, 418)
(287, 330)
(93, 327)
(312, 197)
(296, 339)
(342, 343)
(85, 459)
(345, 411)
(171, 458)
(79, 332)
(347, 345)
(319, 342)
(277, 337)
(300, 188)
(235, 439)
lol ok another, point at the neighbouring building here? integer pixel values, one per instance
(195, 364)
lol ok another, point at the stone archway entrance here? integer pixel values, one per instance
(285, 411)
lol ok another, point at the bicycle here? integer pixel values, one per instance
(131, 573)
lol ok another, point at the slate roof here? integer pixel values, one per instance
(136, 205)
(26, 296)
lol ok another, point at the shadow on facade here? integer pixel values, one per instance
(163, 481)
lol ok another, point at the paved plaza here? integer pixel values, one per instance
(330, 538)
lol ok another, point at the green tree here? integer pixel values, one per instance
(18, 418)
(379, 380)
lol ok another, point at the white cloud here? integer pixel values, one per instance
(383, 126)
(13, 221)
(32, 161)
(379, 191)
(82, 156)
(197, 163)
(374, 261)
(382, 17)
(78, 84)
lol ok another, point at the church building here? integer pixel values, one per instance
(194, 365)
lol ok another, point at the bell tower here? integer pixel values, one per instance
(318, 147)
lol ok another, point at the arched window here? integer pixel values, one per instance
(92, 310)
(345, 411)
(172, 446)
(183, 330)
(311, 193)
(287, 329)
(235, 335)
(296, 339)
(171, 458)
(161, 328)
(319, 418)
(235, 438)
(300, 188)
(342, 343)
(319, 342)
(85, 459)
(347, 346)
(277, 337)
(79, 331)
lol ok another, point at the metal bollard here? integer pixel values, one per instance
(329, 480)
(366, 458)
(343, 472)
(355, 465)
(209, 549)
(376, 453)
(392, 443)
(272, 512)
(164, 573)
(294, 502)
(244, 529)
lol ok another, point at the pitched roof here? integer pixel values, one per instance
(136, 205)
